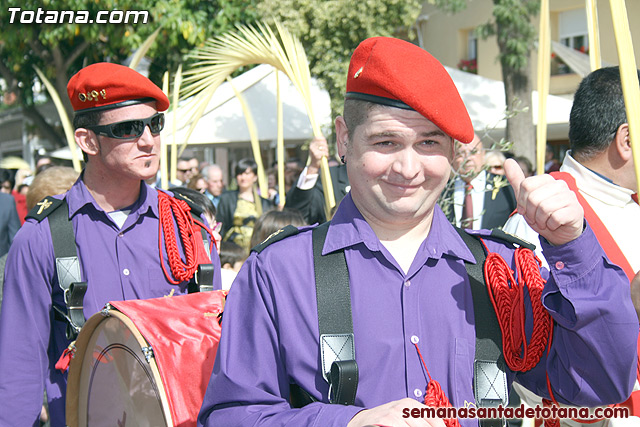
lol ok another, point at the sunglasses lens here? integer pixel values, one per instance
(129, 129)
(157, 123)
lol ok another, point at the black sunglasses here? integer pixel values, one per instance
(130, 129)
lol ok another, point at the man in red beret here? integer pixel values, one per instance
(114, 222)
(393, 324)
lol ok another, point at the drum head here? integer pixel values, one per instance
(117, 385)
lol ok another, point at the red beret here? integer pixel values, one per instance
(394, 72)
(103, 86)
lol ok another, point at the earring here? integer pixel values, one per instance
(344, 162)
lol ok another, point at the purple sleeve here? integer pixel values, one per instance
(25, 325)
(249, 384)
(593, 355)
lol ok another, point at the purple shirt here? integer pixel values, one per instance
(117, 264)
(270, 328)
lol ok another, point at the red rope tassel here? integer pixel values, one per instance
(170, 208)
(507, 297)
(435, 397)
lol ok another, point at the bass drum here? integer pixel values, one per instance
(145, 362)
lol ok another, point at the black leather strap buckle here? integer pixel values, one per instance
(74, 316)
(202, 280)
(490, 388)
(343, 382)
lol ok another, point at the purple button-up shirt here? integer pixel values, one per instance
(270, 329)
(117, 264)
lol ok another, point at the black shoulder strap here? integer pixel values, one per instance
(67, 268)
(337, 347)
(489, 369)
(195, 208)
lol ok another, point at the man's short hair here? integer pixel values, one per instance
(86, 120)
(356, 113)
(597, 113)
(245, 164)
(207, 170)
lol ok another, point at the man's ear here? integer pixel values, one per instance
(622, 142)
(87, 141)
(342, 136)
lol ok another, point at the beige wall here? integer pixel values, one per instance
(443, 35)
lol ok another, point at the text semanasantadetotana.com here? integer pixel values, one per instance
(521, 411)
(44, 16)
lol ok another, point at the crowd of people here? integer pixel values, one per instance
(415, 187)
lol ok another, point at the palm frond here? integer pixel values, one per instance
(143, 49)
(249, 45)
(64, 118)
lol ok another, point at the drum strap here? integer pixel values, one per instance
(490, 386)
(67, 269)
(337, 347)
(335, 322)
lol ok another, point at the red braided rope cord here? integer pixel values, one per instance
(508, 302)
(507, 297)
(169, 208)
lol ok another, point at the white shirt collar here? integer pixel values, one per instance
(595, 186)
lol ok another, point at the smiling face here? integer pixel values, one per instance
(398, 163)
(246, 180)
(137, 158)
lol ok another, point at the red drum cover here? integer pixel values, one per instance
(184, 333)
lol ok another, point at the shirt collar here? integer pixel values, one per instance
(79, 196)
(349, 228)
(595, 185)
(479, 182)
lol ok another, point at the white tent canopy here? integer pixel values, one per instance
(485, 101)
(223, 120)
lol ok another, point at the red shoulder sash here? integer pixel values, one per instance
(602, 234)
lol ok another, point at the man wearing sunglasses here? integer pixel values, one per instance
(115, 217)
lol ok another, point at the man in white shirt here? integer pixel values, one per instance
(601, 164)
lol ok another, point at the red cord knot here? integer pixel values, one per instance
(507, 296)
(170, 208)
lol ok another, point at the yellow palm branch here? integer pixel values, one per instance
(64, 118)
(223, 55)
(143, 49)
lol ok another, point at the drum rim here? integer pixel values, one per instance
(75, 367)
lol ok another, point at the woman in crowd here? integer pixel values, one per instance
(238, 209)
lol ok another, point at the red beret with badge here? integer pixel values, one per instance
(104, 86)
(397, 73)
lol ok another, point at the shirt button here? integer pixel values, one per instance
(407, 283)
(559, 265)
(417, 392)
(415, 339)
(120, 234)
(125, 271)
